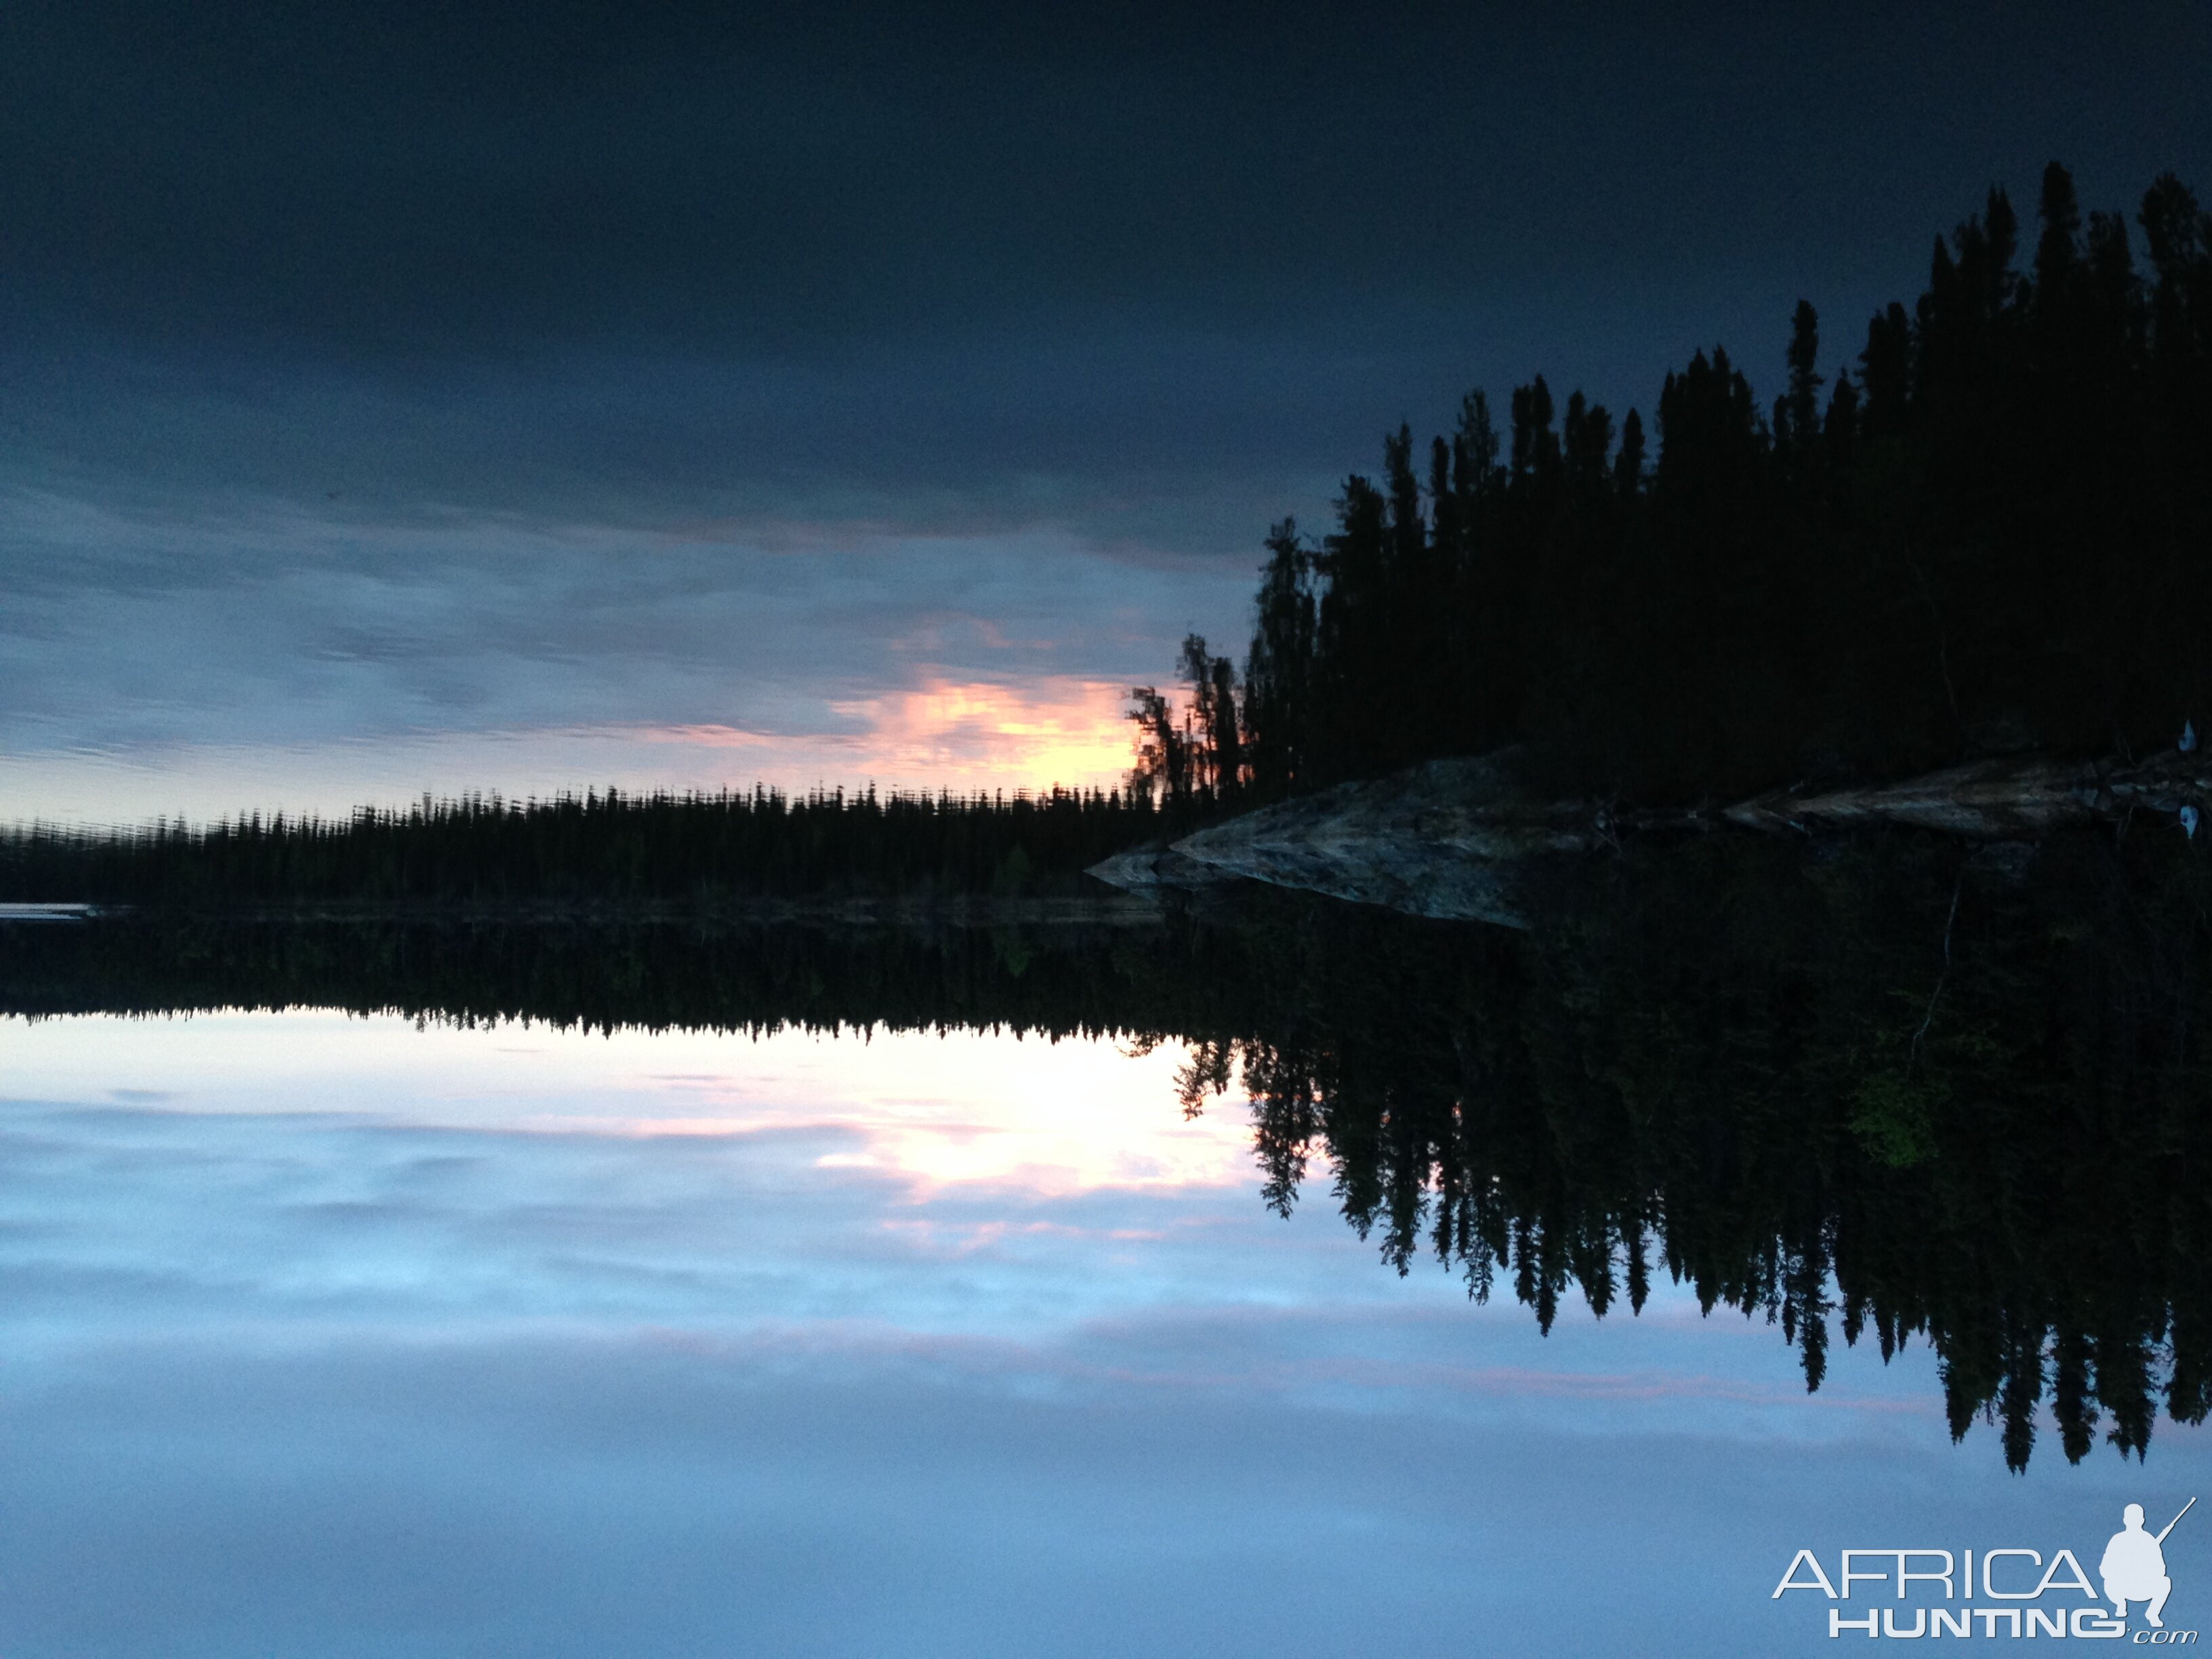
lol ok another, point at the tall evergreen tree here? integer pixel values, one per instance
(2058, 248)
(1279, 672)
(1797, 412)
(1628, 465)
(1885, 369)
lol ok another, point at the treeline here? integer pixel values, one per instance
(1989, 532)
(1067, 979)
(598, 849)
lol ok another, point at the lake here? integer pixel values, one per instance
(378, 1287)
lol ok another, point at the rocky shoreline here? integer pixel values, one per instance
(1450, 839)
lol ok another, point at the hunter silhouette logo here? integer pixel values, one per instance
(2134, 1567)
(2007, 1592)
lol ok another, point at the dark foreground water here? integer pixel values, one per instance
(394, 1286)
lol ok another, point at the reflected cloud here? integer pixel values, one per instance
(923, 1110)
(645, 1328)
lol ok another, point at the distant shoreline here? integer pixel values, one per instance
(1108, 908)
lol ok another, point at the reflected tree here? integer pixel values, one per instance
(1883, 1091)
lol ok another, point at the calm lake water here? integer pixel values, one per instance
(344, 1333)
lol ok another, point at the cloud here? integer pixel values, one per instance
(475, 182)
(386, 401)
(270, 658)
(1155, 274)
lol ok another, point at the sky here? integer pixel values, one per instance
(337, 1335)
(435, 397)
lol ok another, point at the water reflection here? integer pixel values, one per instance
(321, 1334)
(1875, 1091)
(925, 1110)
(1895, 1090)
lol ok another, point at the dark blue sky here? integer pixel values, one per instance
(1117, 287)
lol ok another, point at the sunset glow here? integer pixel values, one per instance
(961, 735)
(973, 734)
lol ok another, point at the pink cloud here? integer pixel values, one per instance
(973, 734)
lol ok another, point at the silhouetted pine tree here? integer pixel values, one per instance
(1991, 539)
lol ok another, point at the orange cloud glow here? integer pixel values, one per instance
(960, 734)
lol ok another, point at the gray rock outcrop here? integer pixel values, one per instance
(1448, 839)
(2000, 800)
(1454, 839)
(1147, 869)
